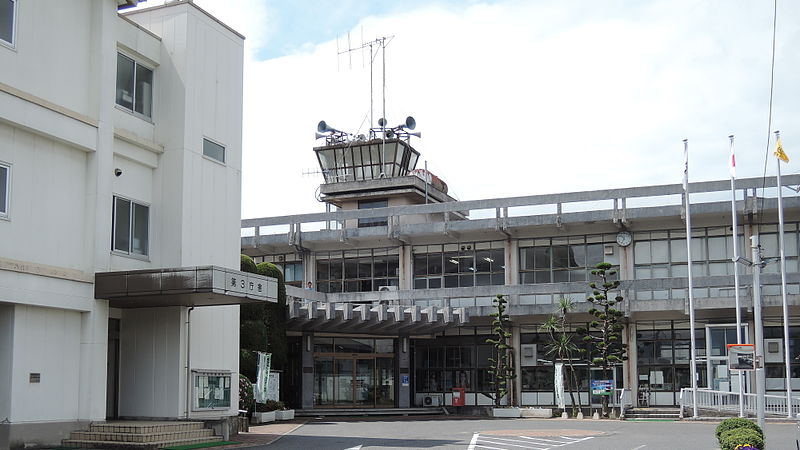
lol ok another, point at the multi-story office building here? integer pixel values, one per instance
(403, 277)
(120, 167)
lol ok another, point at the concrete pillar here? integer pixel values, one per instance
(93, 370)
(512, 261)
(516, 392)
(310, 269)
(404, 372)
(630, 370)
(307, 400)
(406, 280)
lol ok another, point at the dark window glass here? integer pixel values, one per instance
(7, 20)
(373, 221)
(122, 225)
(3, 190)
(213, 150)
(134, 86)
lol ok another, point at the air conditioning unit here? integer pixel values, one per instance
(386, 288)
(773, 350)
(431, 400)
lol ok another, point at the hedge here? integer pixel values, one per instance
(737, 422)
(731, 439)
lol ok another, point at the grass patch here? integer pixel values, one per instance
(201, 445)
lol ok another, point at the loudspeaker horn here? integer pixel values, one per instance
(319, 135)
(323, 127)
(410, 123)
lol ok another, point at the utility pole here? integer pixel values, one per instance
(759, 323)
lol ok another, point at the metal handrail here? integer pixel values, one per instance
(720, 401)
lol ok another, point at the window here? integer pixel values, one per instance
(561, 260)
(213, 150)
(357, 270)
(5, 181)
(459, 265)
(373, 221)
(131, 227)
(7, 16)
(134, 86)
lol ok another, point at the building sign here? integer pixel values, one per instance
(602, 387)
(741, 357)
(404, 380)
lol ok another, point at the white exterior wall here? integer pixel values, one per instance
(64, 136)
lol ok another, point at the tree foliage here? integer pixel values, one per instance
(262, 326)
(561, 346)
(604, 335)
(502, 364)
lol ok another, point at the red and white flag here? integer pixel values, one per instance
(732, 161)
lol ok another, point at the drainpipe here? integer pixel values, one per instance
(188, 359)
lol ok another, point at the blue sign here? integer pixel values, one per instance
(602, 387)
(404, 380)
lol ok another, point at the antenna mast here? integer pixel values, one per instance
(381, 44)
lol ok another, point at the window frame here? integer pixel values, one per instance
(136, 64)
(13, 44)
(224, 159)
(6, 200)
(131, 228)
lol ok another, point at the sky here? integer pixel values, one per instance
(518, 97)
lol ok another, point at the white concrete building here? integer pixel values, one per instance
(120, 171)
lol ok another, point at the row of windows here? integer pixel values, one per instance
(358, 270)
(459, 265)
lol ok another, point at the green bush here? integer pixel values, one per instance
(736, 422)
(270, 405)
(245, 394)
(247, 264)
(731, 439)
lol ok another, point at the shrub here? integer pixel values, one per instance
(731, 439)
(736, 422)
(270, 405)
(245, 394)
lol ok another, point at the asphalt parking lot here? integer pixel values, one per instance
(468, 433)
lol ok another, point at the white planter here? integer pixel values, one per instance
(263, 417)
(286, 414)
(542, 413)
(506, 412)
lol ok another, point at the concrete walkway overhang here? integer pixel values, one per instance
(183, 286)
(394, 320)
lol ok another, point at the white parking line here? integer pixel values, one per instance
(526, 442)
(473, 441)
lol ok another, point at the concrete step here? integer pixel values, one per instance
(144, 427)
(75, 443)
(139, 437)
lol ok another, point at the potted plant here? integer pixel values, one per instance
(502, 366)
(283, 413)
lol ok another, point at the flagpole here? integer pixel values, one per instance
(693, 356)
(732, 168)
(787, 355)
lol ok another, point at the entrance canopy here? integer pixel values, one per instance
(373, 319)
(183, 286)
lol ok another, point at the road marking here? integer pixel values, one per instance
(355, 448)
(527, 442)
(641, 446)
(473, 441)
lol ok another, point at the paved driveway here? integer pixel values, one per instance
(467, 433)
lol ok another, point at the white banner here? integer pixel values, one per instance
(559, 382)
(262, 377)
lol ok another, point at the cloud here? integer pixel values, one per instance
(521, 98)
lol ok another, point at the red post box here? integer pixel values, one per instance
(458, 396)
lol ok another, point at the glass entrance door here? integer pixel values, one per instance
(354, 373)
